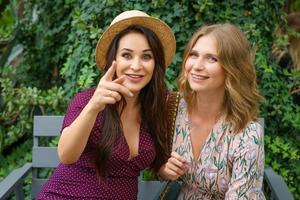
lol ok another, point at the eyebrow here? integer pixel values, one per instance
(194, 51)
(132, 50)
(210, 54)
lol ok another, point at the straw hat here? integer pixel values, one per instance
(136, 17)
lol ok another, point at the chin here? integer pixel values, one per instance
(135, 87)
(196, 88)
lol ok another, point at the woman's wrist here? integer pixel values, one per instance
(91, 109)
(160, 174)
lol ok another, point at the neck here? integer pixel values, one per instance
(132, 102)
(132, 109)
(209, 106)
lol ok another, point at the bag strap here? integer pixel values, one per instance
(172, 107)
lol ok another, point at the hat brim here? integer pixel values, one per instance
(161, 29)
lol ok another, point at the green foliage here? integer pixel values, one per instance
(44, 35)
(7, 23)
(293, 5)
(287, 157)
(21, 154)
(60, 37)
(19, 104)
(282, 119)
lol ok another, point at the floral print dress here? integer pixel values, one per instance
(230, 165)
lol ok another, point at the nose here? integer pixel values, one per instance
(136, 64)
(198, 64)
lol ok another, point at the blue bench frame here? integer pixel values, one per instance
(46, 157)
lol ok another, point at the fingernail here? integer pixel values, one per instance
(130, 94)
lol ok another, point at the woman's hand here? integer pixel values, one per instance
(109, 91)
(174, 168)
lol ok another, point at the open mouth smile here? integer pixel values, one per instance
(199, 77)
(134, 77)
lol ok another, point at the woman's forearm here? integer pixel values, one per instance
(74, 137)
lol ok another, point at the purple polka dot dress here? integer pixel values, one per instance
(79, 180)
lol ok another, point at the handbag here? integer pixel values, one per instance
(171, 190)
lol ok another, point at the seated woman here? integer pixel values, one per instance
(113, 131)
(218, 146)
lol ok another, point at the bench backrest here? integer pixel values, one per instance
(45, 156)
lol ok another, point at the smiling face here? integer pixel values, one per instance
(134, 59)
(203, 70)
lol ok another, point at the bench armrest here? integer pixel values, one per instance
(277, 186)
(14, 182)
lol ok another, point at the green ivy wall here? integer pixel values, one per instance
(59, 39)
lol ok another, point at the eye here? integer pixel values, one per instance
(212, 59)
(193, 54)
(126, 55)
(147, 56)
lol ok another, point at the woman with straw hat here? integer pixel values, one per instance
(113, 131)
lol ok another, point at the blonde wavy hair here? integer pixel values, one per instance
(234, 55)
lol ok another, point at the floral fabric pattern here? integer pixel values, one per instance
(230, 165)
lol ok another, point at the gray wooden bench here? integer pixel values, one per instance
(46, 157)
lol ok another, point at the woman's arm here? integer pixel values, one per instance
(74, 137)
(248, 165)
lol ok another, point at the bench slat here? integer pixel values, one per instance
(13, 180)
(277, 185)
(47, 125)
(44, 157)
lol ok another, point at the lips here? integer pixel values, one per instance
(199, 77)
(134, 77)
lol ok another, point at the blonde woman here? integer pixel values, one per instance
(218, 144)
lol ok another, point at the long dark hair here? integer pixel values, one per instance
(153, 106)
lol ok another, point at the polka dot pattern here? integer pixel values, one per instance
(79, 180)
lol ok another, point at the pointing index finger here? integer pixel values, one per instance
(110, 72)
(120, 80)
